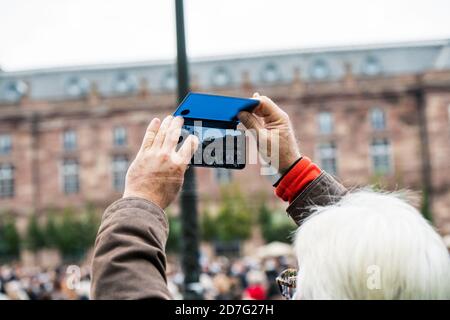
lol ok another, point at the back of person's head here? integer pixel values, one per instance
(371, 246)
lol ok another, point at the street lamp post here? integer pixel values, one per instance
(188, 197)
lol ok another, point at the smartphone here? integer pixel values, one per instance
(218, 147)
(213, 119)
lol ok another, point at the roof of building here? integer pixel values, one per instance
(212, 72)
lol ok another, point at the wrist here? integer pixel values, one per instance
(136, 194)
(289, 162)
(286, 171)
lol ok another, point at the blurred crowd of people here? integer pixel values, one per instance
(18, 282)
(222, 278)
(225, 278)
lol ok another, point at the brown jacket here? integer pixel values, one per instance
(129, 260)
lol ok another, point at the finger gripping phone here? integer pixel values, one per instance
(213, 119)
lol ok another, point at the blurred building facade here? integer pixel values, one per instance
(368, 114)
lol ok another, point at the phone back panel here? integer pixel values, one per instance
(213, 108)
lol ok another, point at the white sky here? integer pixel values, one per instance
(43, 33)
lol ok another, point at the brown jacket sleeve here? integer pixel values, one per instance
(129, 260)
(322, 191)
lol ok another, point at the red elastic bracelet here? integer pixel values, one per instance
(297, 179)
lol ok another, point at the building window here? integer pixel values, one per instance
(319, 70)
(6, 181)
(377, 119)
(325, 122)
(119, 172)
(327, 157)
(270, 73)
(125, 83)
(371, 66)
(77, 87)
(16, 90)
(221, 77)
(69, 140)
(380, 153)
(169, 81)
(5, 144)
(223, 176)
(120, 136)
(71, 183)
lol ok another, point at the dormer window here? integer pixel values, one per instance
(125, 84)
(371, 66)
(221, 77)
(16, 90)
(77, 87)
(169, 81)
(320, 70)
(270, 73)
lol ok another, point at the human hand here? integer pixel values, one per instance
(157, 172)
(268, 120)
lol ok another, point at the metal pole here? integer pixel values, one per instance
(188, 197)
(427, 186)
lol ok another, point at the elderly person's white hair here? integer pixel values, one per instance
(371, 246)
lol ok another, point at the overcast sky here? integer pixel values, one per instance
(43, 33)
